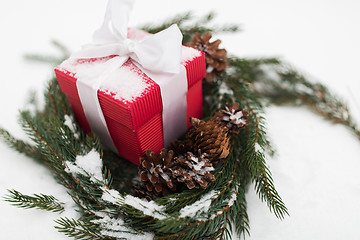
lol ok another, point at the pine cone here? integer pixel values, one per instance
(233, 118)
(155, 174)
(215, 57)
(211, 138)
(193, 170)
(181, 148)
(142, 192)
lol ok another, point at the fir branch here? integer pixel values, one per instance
(255, 135)
(57, 142)
(44, 59)
(293, 88)
(31, 127)
(261, 175)
(51, 99)
(188, 27)
(56, 104)
(275, 82)
(238, 214)
(53, 60)
(65, 51)
(178, 19)
(21, 146)
(40, 201)
(79, 229)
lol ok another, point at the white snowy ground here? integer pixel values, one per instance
(316, 169)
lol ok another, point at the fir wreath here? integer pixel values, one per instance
(100, 189)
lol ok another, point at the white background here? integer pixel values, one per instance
(316, 169)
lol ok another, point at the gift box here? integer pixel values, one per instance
(130, 100)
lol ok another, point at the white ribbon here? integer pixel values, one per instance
(158, 56)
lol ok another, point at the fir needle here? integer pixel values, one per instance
(353, 99)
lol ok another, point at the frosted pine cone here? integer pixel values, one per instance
(194, 171)
(233, 118)
(155, 174)
(211, 138)
(215, 57)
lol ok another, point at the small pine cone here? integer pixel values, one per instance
(142, 192)
(211, 138)
(181, 148)
(155, 174)
(215, 57)
(194, 171)
(211, 74)
(233, 118)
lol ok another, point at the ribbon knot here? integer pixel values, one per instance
(129, 46)
(160, 52)
(124, 48)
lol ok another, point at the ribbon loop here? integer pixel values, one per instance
(115, 23)
(160, 52)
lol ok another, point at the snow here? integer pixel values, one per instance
(188, 54)
(257, 147)
(224, 89)
(199, 165)
(69, 122)
(317, 163)
(119, 230)
(85, 68)
(125, 82)
(232, 199)
(125, 235)
(89, 164)
(230, 202)
(200, 206)
(148, 208)
(165, 176)
(111, 195)
(128, 87)
(238, 118)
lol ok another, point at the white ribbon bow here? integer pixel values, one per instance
(158, 55)
(159, 52)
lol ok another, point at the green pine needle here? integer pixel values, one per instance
(40, 201)
(189, 27)
(79, 229)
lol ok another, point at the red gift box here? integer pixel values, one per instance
(135, 124)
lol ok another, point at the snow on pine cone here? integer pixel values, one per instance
(194, 171)
(155, 174)
(233, 118)
(211, 138)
